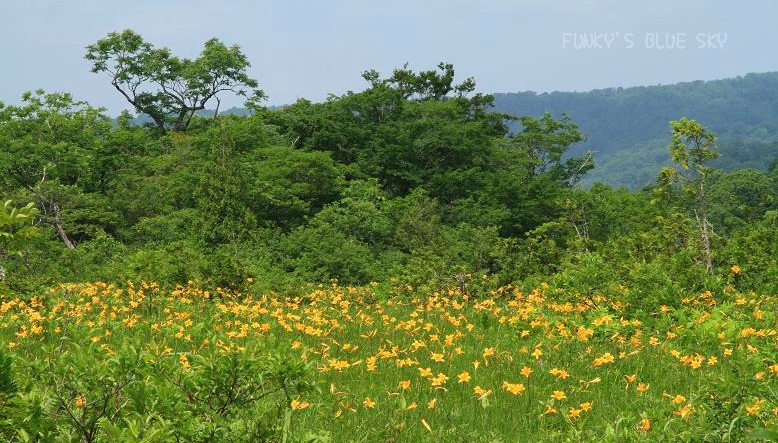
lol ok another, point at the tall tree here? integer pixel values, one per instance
(544, 141)
(422, 85)
(47, 145)
(692, 147)
(167, 88)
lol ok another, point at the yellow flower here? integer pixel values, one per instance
(735, 269)
(513, 388)
(464, 377)
(574, 413)
(404, 384)
(432, 403)
(603, 359)
(297, 405)
(371, 363)
(368, 403)
(537, 353)
(559, 373)
(642, 387)
(549, 410)
(80, 401)
(439, 380)
(184, 361)
(488, 352)
(645, 425)
(425, 372)
(559, 395)
(754, 408)
(526, 371)
(411, 406)
(438, 358)
(586, 406)
(684, 411)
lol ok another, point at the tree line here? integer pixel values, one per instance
(413, 179)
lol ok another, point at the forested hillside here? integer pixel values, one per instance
(627, 127)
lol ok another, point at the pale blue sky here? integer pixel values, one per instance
(311, 48)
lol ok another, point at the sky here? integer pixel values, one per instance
(313, 48)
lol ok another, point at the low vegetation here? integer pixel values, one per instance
(96, 362)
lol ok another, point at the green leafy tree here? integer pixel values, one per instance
(544, 141)
(167, 88)
(692, 147)
(740, 197)
(48, 143)
(227, 217)
(423, 85)
(13, 229)
(408, 130)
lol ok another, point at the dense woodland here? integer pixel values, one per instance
(627, 127)
(403, 263)
(414, 178)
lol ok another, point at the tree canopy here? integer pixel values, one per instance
(167, 88)
(415, 177)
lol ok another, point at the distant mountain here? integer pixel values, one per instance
(628, 128)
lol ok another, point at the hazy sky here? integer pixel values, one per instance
(311, 48)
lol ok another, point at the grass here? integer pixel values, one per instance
(402, 365)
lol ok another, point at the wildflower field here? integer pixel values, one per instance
(102, 363)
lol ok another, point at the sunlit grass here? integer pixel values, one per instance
(444, 366)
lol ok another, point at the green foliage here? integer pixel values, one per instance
(173, 262)
(754, 249)
(90, 385)
(167, 88)
(8, 389)
(740, 198)
(324, 252)
(544, 141)
(10, 217)
(413, 178)
(424, 85)
(692, 147)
